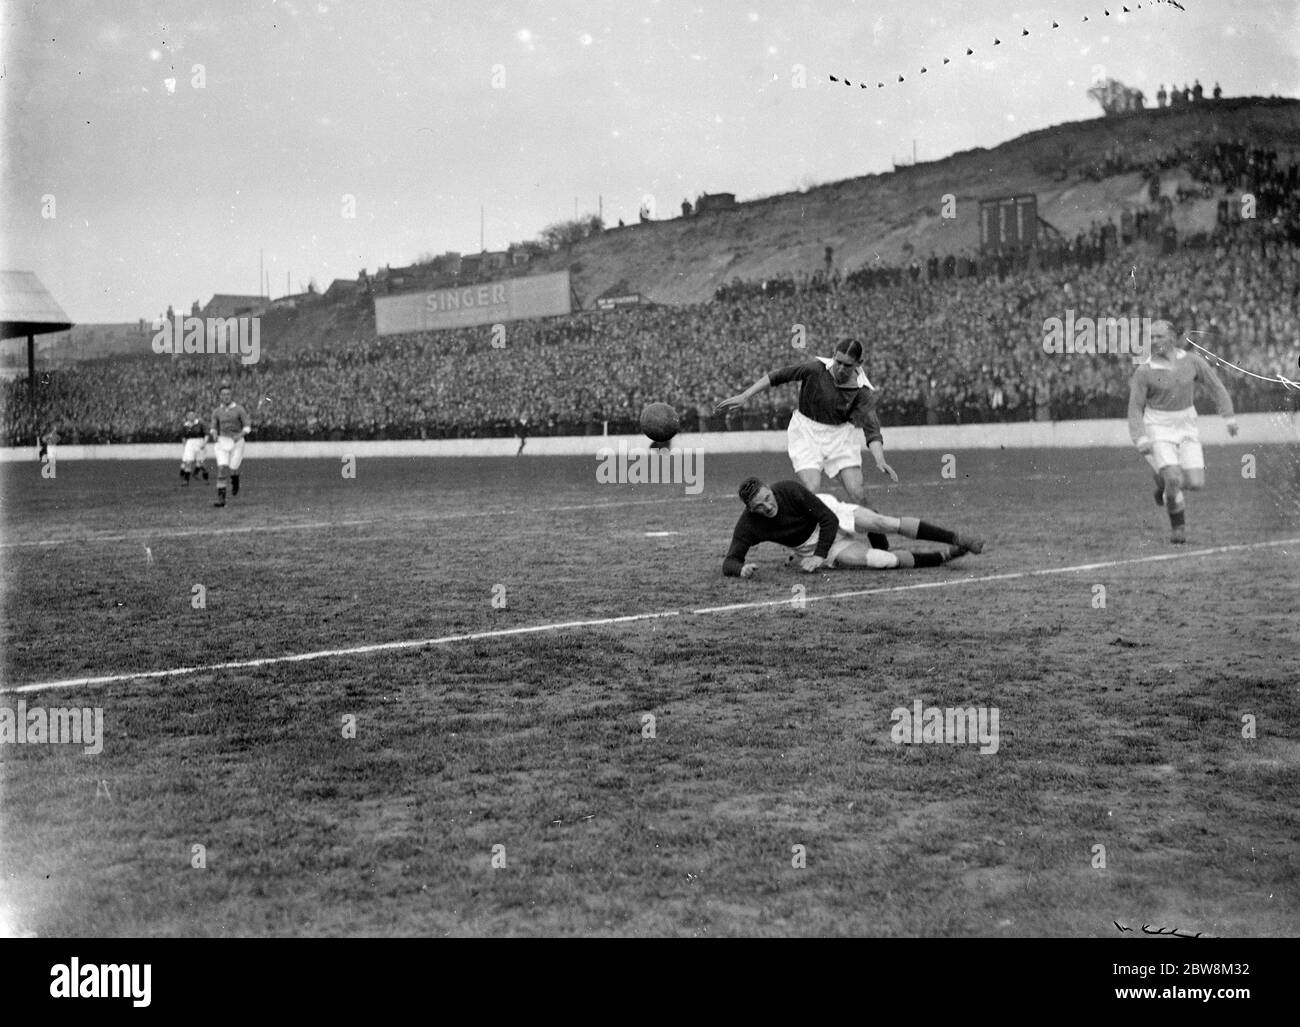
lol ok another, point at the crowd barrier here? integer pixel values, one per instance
(1113, 432)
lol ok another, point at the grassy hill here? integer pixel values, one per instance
(896, 215)
(892, 216)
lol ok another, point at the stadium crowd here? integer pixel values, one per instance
(947, 351)
(952, 339)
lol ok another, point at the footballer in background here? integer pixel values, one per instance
(195, 434)
(1162, 420)
(230, 424)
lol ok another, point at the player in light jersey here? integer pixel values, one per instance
(230, 424)
(1162, 420)
(196, 440)
(826, 533)
(835, 401)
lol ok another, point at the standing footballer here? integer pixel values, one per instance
(1162, 420)
(229, 425)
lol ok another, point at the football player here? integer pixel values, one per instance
(196, 440)
(835, 401)
(1162, 420)
(230, 424)
(825, 532)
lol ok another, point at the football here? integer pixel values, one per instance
(659, 422)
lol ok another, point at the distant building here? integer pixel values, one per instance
(715, 203)
(342, 289)
(447, 264)
(296, 299)
(224, 304)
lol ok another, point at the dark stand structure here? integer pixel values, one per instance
(27, 308)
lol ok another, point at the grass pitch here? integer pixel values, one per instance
(1121, 725)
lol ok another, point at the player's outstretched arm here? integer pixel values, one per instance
(865, 417)
(739, 399)
(734, 565)
(878, 453)
(1222, 397)
(1137, 403)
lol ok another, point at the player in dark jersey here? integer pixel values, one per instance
(826, 533)
(835, 400)
(195, 435)
(230, 424)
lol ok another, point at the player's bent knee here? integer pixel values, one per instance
(881, 559)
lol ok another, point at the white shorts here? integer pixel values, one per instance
(823, 447)
(193, 451)
(843, 538)
(230, 452)
(1175, 438)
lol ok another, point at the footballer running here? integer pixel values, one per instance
(1162, 420)
(824, 532)
(195, 435)
(230, 424)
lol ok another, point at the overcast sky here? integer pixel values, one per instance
(424, 111)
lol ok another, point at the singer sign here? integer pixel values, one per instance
(510, 299)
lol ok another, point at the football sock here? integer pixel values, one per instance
(914, 527)
(1177, 518)
(877, 540)
(185, 476)
(906, 559)
(234, 484)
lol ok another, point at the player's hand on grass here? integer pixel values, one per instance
(811, 564)
(749, 570)
(1232, 427)
(735, 401)
(884, 468)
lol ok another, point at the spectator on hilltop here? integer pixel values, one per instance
(1218, 93)
(1161, 96)
(1198, 93)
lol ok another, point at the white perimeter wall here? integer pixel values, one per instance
(1255, 429)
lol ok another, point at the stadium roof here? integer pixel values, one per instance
(228, 304)
(27, 308)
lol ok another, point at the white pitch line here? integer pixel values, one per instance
(380, 647)
(141, 536)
